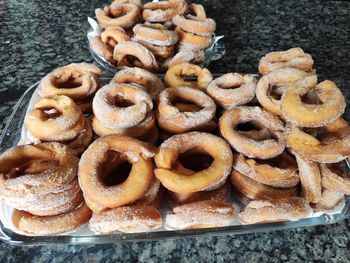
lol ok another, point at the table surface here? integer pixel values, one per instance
(38, 36)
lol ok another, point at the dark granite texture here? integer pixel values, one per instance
(38, 36)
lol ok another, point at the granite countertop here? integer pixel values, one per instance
(38, 36)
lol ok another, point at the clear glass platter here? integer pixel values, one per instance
(11, 136)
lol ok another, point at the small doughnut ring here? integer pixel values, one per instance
(331, 149)
(195, 25)
(278, 210)
(330, 201)
(123, 15)
(151, 83)
(264, 149)
(135, 2)
(175, 76)
(164, 10)
(77, 81)
(292, 58)
(335, 126)
(130, 48)
(114, 35)
(92, 170)
(255, 190)
(101, 49)
(286, 78)
(185, 55)
(155, 36)
(198, 10)
(127, 219)
(82, 141)
(51, 225)
(207, 179)
(315, 115)
(192, 40)
(232, 89)
(202, 214)
(159, 52)
(173, 120)
(109, 105)
(278, 172)
(333, 178)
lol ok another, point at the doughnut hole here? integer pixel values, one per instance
(68, 83)
(195, 160)
(276, 92)
(185, 105)
(255, 130)
(32, 167)
(122, 102)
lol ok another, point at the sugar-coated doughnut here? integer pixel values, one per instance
(195, 24)
(163, 11)
(114, 35)
(207, 179)
(155, 36)
(101, 49)
(277, 210)
(198, 10)
(264, 149)
(334, 178)
(185, 55)
(193, 40)
(135, 2)
(201, 214)
(330, 201)
(232, 89)
(159, 52)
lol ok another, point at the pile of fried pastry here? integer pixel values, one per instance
(154, 35)
(139, 153)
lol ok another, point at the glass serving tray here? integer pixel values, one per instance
(11, 136)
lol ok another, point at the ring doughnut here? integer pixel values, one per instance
(205, 180)
(280, 171)
(155, 36)
(135, 2)
(232, 89)
(192, 40)
(172, 119)
(198, 10)
(313, 115)
(120, 106)
(101, 49)
(175, 76)
(185, 55)
(335, 126)
(66, 126)
(255, 190)
(159, 52)
(82, 141)
(92, 171)
(130, 48)
(123, 15)
(310, 178)
(195, 25)
(284, 78)
(331, 149)
(77, 81)
(264, 149)
(127, 219)
(202, 214)
(163, 11)
(330, 201)
(114, 35)
(151, 83)
(333, 178)
(51, 225)
(278, 210)
(291, 58)
(152, 194)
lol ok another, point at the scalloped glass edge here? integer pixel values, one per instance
(10, 136)
(212, 53)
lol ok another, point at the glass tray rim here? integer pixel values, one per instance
(13, 238)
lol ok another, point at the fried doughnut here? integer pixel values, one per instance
(152, 194)
(335, 126)
(127, 219)
(173, 120)
(232, 89)
(93, 164)
(159, 52)
(82, 141)
(130, 48)
(193, 40)
(310, 178)
(175, 76)
(198, 10)
(291, 58)
(195, 25)
(66, 126)
(205, 180)
(185, 55)
(302, 114)
(123, 15)
(101, 49)
(255, 190)
(277, 210)
(114, 35)
(135, 2)
(264, 149)
(285, 78)
(330, 201)
(164, 10)
(151, 83)
(334, 178)
(120, 106)
(280, 171)
(331, 149)
(51, 225)
(202, 214)
(155, 36)
(77, 81)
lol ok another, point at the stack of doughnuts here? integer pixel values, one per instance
(153, 36)
(40, 183)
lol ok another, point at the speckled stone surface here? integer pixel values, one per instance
(38, 36)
